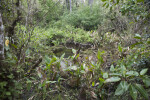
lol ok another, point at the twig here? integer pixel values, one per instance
(34, 66)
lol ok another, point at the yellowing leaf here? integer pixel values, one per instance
(7, 42)
(93, 83)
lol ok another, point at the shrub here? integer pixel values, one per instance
(85, 17)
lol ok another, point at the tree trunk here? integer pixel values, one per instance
(90, 2)
(70, 5)
(12, 27)
(67, 4)
(1, 39)
(82, 2)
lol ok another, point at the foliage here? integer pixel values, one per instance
(55, 36)
(128, 74)
(86, 17)
(50, 9)
(10, 86)
(133, 8)
(128, 78)
(110, 70)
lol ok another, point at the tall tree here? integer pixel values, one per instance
(70, 5)
(1, 39)
(67, 4)
(17, 19)
(90, 2)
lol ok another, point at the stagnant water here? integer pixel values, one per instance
(67, 48)
(68, 52)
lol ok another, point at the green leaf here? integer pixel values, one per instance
(77, 56)
(8, 93)
(142, 91)
(14, 46)
(115, 74)
(103, 0)
(119, 90)
(99, 53)
(112, 68)
(107, 5)
(82, 71)
(104, 4)
(137, 36)
(140, 0)
(120, 48)
(28, 87)
(11, 76)
(62, 56)
(123, 70)
(111, 8)
(131, 22)
(93, 83)
(146, 81)
(99, 56)
(40, 75)
(112, 79)
(73, 68)
(122, 87)
(143, 71)
(2, 84)
(105, 75)
(148, 42)
(101, 82)
(133, 45)
(7, 48)
(118, 1)
(132, 73)
(74, 51)
(133, 92)
(50, 82)
(47, 59)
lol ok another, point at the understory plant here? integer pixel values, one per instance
(130, 78)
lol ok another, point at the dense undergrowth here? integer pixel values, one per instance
(98, 52)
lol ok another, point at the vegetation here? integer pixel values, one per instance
(74, 50)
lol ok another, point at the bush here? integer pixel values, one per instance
(85, 17)
(55, 36)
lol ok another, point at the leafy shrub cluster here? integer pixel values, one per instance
(123, 79)
(85, 17)
(55, 36)
(48, 11)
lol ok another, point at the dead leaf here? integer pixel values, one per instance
(93, 95)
